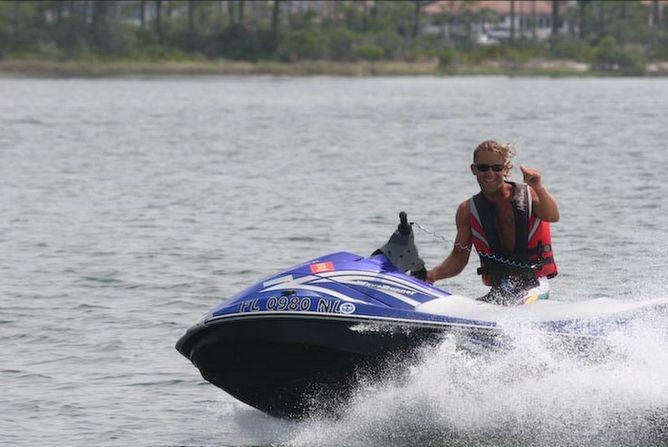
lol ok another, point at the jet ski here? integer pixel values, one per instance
(299, 341)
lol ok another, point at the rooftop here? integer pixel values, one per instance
(526, 7)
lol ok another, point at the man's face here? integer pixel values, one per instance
(483, 168)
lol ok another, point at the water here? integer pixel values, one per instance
(131, 206)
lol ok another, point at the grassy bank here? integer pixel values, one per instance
(99, 68)
(220, 67)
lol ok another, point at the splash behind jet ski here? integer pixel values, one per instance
(298, 341)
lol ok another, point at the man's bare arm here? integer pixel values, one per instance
(544, 205)
(459, 256)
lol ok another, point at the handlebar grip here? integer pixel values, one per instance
(404, 227)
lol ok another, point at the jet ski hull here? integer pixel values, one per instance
(289, 365)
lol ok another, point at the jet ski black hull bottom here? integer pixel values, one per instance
(289, 367)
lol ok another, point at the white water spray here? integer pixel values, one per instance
(538, 392)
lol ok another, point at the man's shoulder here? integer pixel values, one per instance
(464, 204)
(464, 209)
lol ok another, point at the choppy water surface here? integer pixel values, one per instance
(131, 206)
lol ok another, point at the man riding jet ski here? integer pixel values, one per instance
(299, 341)
(509, 225)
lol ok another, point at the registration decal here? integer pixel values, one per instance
(321, 267)
(291, 303)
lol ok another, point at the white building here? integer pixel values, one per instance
(489, 21)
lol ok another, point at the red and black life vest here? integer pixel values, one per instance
(533, 242)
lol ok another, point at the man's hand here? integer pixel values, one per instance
(531, 177)
(544, 205)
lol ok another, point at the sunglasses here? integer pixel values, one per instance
(482, 167)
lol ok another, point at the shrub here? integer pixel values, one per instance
(446, 58)
(605, 53)
(609, 56)
(482, 53)
(302, 44)
(49, 51)
(369, 52)
(236, 42)
(340, 44)
(390, 42)
(576, 49)
(659, 48)
(631, 60)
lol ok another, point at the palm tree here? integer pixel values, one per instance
(416, 17)
(275, 16)
(191, 24)
(142, 13)
(533, 20)
(656, 14)
(512, 20)
(555, 18)
(158, 19)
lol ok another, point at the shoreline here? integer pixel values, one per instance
(118, 68)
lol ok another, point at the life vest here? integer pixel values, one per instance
(533, 242)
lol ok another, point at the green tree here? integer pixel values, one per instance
(369, 52)
(302, 44)
(610, 56)
(340, 43)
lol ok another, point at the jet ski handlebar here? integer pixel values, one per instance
(401, 251)
(404, 227)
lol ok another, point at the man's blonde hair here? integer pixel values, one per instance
(506, 150)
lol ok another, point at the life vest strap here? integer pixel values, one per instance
(499, 269)
(540, 249)
(542, 262)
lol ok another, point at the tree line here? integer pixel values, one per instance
(608, 34)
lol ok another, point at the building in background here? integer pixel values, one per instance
(489, 21)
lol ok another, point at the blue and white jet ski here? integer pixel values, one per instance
(299, 340)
